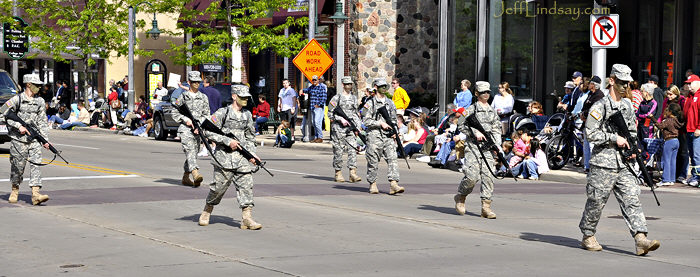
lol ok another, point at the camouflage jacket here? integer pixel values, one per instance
(198, 103)
(349, 105)
(371, 117)
(31, 109)
(487, 117)
(241, 124)
(602, 135)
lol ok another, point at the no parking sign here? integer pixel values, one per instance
(605, 31)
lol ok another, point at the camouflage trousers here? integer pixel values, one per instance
(623, 183)
(190, 145)
(475, 169)
(243, 182)
(343, 141)
(380, 146)
(20, 152)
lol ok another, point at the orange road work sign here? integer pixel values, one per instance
(313, 60)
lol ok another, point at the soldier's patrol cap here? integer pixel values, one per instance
(380, 82)
(482, 86)
(32, 78)
(622, 72)
(240, 90)
(346, 80)
(194, 76)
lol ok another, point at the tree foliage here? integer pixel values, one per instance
(211, 36)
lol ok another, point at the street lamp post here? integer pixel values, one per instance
(339, 18)
(154, 33)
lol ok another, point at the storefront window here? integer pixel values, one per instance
(668, 27)
(510, 47)
(570, 45)
(463, 42)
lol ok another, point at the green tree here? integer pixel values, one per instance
(211, 35)
(78, 28)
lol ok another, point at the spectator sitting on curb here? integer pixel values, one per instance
(82, 121)
(283, 137)
(63, 114)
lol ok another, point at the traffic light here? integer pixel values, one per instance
(606, 3)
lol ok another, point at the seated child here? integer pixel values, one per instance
(283, 136)
(521, 163)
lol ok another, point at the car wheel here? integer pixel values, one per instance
(159, 129)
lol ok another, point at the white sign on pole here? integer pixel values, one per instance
(605, 31)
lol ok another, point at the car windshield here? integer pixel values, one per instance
(7, 86)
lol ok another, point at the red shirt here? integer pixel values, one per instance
(691, 109)
(262, 110)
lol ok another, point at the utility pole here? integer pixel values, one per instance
(312, 32)
(599, 57)
(130, 92)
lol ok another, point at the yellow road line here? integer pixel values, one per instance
(86, 167)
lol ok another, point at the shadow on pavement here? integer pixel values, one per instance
(177, 182)
(568, 242)
(351, 188)
(213, 219)
(322, 178)
(445, 210)
(23, 197)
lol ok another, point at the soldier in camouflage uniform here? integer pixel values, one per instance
(380, 142)
(610, 171)
(32, 110)
(475, 167)
(230, 166)
(342, 136)
(198, 103)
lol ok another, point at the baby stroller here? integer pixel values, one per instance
(551, 128)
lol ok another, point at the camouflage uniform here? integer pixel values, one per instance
(198, 103)
(342, 136)
(380, 143)
(33, 111)
(475, 167)
(234, 167)
(608, 169)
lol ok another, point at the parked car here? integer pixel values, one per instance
(8, 89)
(163, 122)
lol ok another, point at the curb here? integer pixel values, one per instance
(96, 130)
(270, 141)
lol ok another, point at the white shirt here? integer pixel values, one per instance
(160, 92)
(503, 103)
(286, 96)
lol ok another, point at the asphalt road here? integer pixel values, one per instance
(118, 210)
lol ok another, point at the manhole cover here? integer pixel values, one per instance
(71, 265)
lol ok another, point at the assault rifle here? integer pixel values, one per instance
(34, 134)
(339, 112)
(618, 122)
(209, 126)
(394, 131)
(473, 122)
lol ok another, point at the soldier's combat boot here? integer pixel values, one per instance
(373, 188)
(459, 204)
(13, 194)
(197, 178)
(38, 198)
(248, 222)
(354, 178)
(486, 209)
(186, 180)
(339, 176)
(395, 188)
(645, 245)
(204, 217)
(590, 243)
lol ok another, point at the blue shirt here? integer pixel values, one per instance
(579, 103)
(318, 95)
(463, 99)
(214, 98)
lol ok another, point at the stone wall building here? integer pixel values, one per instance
(395, 39)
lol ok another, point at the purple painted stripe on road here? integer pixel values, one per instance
(170, 193)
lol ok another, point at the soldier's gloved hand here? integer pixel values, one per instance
(23, 130)
(479, 136)
(252, 160)
(344, 122)
(233, 144)
(385, 126)
(622, 142)
(46, 145)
